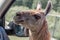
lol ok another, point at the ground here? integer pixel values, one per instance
(22, 38)
(18, 38)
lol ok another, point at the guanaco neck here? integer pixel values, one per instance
(43, 33)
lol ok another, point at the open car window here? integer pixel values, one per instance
(4, 6)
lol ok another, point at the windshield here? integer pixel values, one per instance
(2, 2)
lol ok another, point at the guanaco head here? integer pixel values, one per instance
(32, 18)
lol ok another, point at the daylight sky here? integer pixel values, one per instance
(1, 2)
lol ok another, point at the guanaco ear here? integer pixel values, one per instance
(48, 7)
(39, 6)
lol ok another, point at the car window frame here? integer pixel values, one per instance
(5, 7)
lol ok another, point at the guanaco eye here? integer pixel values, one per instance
(37, 16)
(18, 14)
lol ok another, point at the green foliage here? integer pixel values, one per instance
(28, 3)
(56, 5)
(44, 3)
(18, 3)
(12, 11)
(35, 3)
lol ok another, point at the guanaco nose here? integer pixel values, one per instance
(19, 15)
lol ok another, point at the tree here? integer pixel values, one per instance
(18, 2)
(43, 2)
(28, 3)
(56, 5)
(35, 3)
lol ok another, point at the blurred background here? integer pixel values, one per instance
(53, 17)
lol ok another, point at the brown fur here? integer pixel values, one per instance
(35, 21)
(42, 34)
(37, 32)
